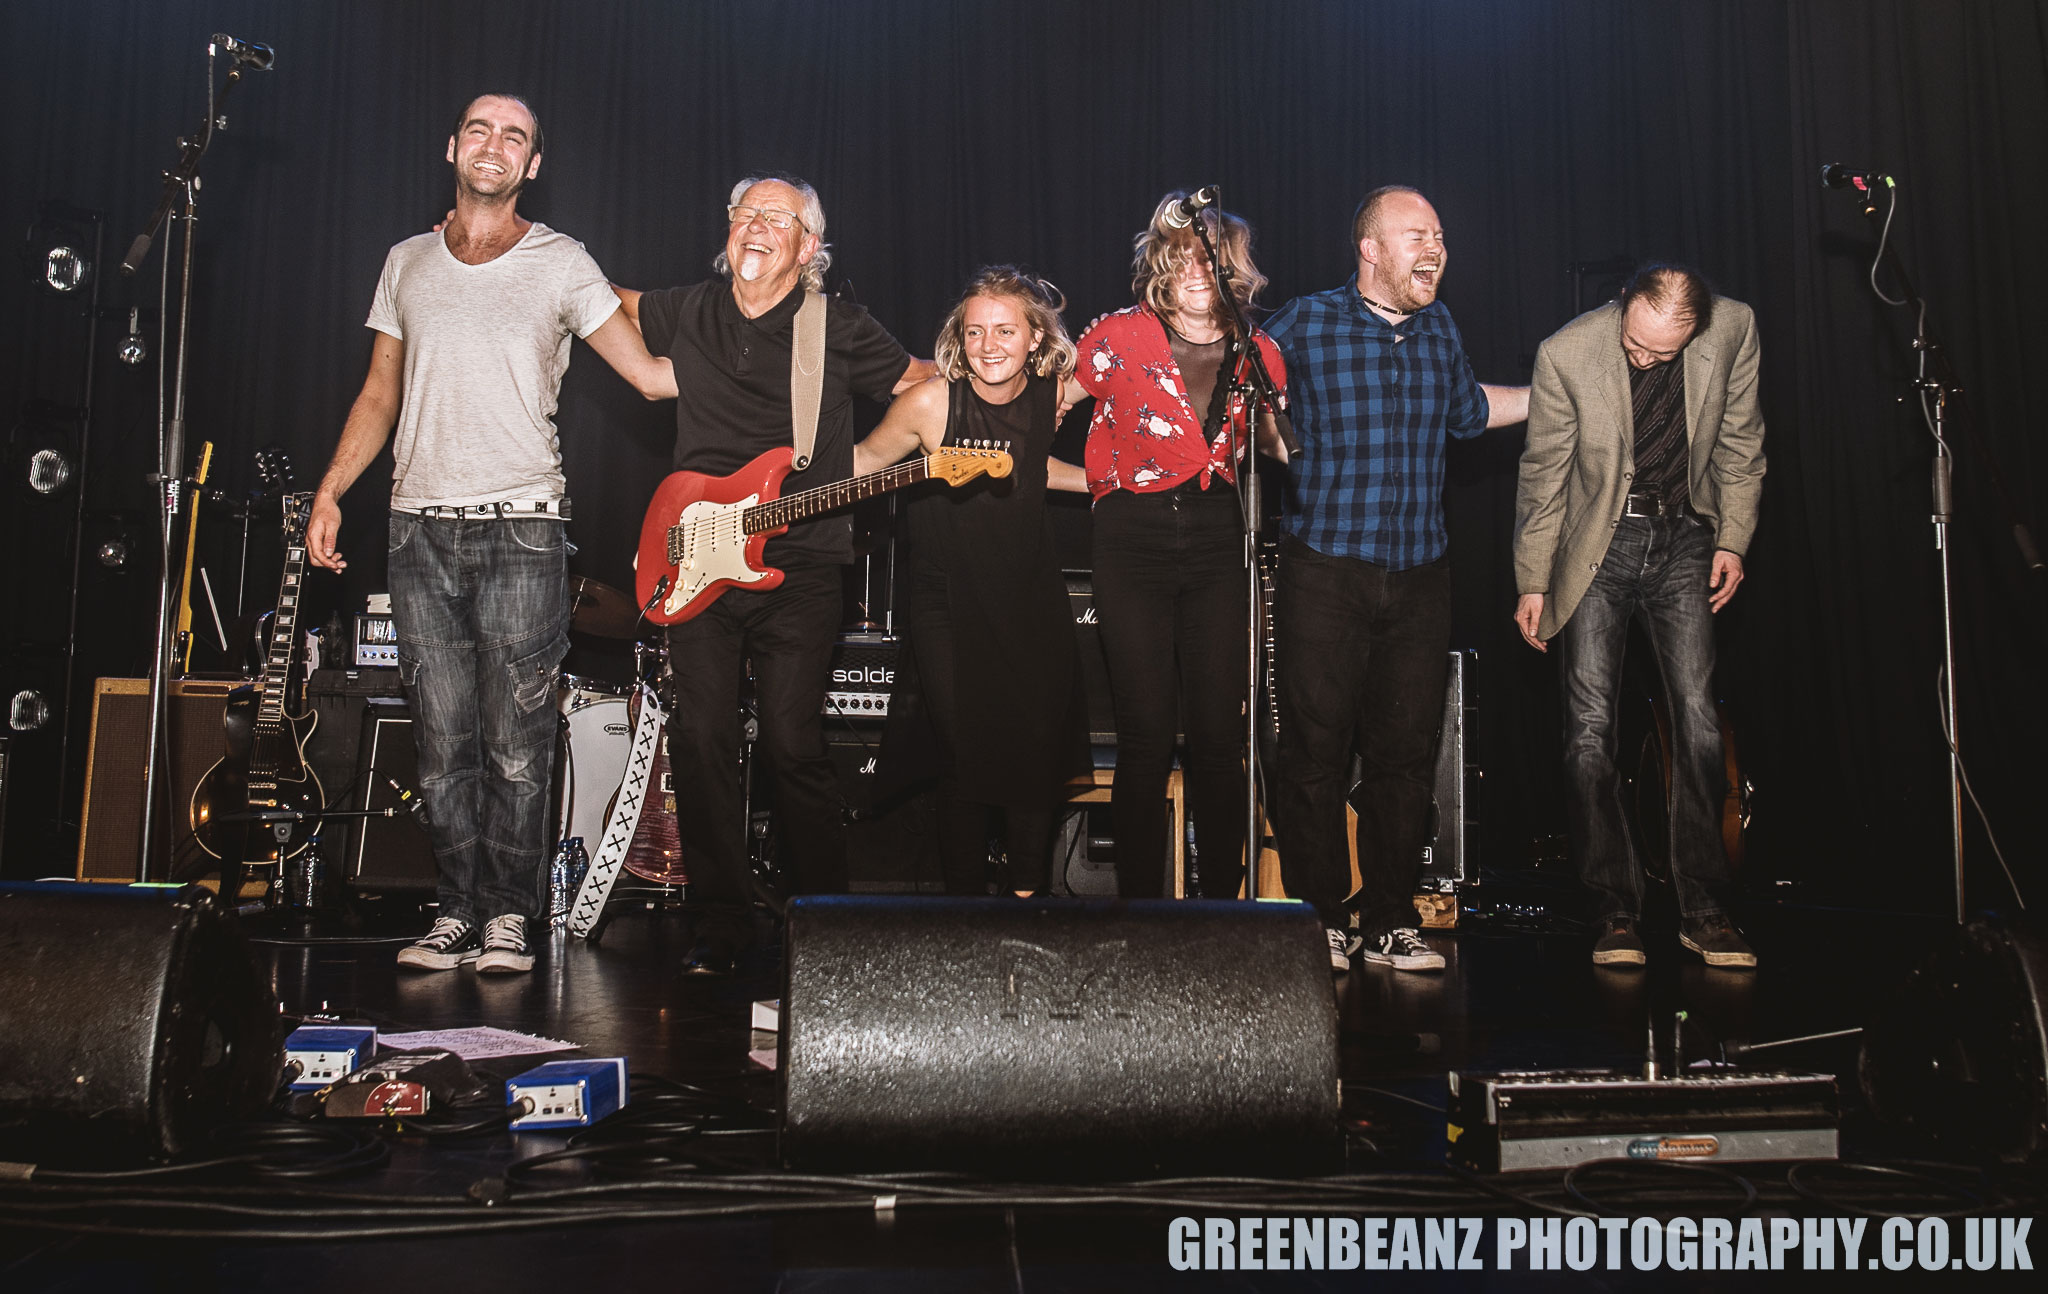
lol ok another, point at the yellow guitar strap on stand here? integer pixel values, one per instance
(807, 376)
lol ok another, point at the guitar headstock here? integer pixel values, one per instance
(959, 464)
(298, 509)
(274, 468)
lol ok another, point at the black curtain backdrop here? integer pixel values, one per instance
(1548, 133)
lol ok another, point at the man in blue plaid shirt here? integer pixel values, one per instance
(1377, 378)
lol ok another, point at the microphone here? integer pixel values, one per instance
(1182, 214)
(247, 53)
(1835, 175)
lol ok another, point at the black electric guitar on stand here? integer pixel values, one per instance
(265, 768)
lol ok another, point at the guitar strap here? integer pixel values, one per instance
(623, 821)
(807, 376)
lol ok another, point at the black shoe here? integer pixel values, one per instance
(1619, 944)
(1402, 949)
(505, 947)
(710, 957)
(1716, 940)
(449, 944)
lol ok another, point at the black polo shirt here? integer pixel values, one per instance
(733, 373)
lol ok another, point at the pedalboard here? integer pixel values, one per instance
(1514, 1121)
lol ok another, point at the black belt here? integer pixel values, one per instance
(1646, 504)
(1193, 486)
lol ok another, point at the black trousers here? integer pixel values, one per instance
(965, 825)
(1363, 655)
(1170, 592)
(788, 635)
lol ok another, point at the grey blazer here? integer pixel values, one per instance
(1580, 454)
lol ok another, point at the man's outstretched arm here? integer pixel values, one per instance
(370, 420)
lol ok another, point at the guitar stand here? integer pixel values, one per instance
(643, 899)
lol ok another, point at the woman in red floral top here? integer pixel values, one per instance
(1170, 581)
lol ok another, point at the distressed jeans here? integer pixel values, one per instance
(481, 608)
(1656, 570)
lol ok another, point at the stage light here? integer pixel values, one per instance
(66, 269)
(29, 711)
(134, 349)
(48, 471)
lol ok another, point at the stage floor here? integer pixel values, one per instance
(1509, 998)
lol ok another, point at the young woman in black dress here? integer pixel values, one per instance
(988, 617)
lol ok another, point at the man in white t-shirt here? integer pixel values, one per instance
(473, 326)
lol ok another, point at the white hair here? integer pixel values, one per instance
(813, 216)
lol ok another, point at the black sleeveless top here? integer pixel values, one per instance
(982, 557)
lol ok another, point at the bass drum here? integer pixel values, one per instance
(600, 739)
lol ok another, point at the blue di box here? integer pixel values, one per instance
(326, 1053)
(568, 1093)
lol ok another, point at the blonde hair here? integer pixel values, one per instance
(1054, 356)
(1158, 254)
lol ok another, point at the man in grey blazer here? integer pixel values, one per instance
(1638, 494)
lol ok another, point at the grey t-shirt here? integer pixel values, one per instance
(485, 349)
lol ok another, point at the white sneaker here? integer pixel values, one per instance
(1402, 949)
(1342, 944)
(449, 944)
(505, 949)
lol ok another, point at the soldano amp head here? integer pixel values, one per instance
(863, 676)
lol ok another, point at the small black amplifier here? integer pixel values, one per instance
(863, 676)
(1510, 1122)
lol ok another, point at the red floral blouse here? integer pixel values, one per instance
(1146, 436)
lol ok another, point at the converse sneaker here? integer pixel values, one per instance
(449, 944)
(1402, 949)
(1716, 941)
(1618, 944)
(1342, 944)
(505, 947)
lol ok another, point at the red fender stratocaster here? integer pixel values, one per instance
(704, 534)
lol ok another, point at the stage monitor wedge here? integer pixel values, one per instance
(1058, 1037)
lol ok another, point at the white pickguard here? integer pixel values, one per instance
(714, 548)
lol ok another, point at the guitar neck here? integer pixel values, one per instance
(277, 662)
(796, 507)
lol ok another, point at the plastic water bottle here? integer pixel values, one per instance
(579, 866)
(558, 888)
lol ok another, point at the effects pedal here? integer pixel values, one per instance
(326, 1053)
(566, 1094)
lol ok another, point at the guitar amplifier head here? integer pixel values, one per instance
(863, 677)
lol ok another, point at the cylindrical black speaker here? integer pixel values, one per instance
(131, 1019)
(1074, 1037)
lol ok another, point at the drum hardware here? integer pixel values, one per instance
(600, 610)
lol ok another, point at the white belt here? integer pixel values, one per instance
(509, 508)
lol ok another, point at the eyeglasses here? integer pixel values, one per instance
(769, 216)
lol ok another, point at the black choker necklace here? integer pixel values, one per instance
(1386, 309)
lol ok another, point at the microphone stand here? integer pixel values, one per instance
(1244, 373)
(1935, 380)
(180, 201)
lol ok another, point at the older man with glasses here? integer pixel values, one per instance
(731, 340)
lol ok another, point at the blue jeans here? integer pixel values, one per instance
(482, 614)
(1656, 570)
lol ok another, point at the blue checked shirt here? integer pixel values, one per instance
(1371, 404)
